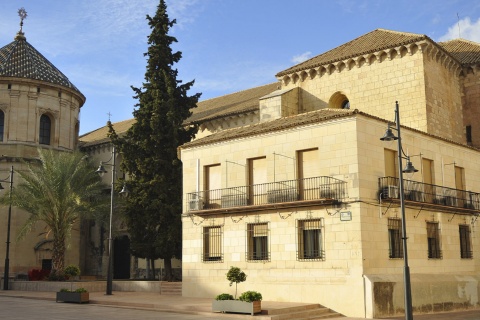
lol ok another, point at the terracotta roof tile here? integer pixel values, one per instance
(276, 125)
(99, 136)
(373, 41)
(465, 51)
(234, 103)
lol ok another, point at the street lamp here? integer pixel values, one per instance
(389, 136)
(7, 253)
(101, 171)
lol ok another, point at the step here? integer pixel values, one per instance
(171, 288)
(308, 312)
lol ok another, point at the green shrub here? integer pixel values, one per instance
(56, 275)
(71, 270)
(81, 290)
(235, 275)
(224, 296)
(249, 296)
(64, 290)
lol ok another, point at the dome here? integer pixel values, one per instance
(21, 60)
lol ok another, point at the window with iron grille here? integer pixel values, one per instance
(433, 238)
(465, 243)
(257, 242)
(310, 239)
(212, 244)
(395, 238)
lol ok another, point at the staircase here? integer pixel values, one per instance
(305, 312)
(171, 288)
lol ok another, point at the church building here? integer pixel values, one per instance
(39, 109)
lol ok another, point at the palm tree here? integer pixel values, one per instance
(59, 190)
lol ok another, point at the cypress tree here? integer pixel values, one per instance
(149, 149)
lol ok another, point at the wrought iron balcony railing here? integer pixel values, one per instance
(425, 193)
(316, 188)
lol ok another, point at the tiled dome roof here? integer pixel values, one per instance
(20, 59)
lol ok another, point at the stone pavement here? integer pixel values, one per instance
(201, 306)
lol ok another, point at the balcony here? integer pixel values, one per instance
(290, 193)
(431, 196)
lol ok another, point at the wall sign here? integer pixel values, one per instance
(346, 216)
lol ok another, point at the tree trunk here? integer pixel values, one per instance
(168, 269)
(58, 254)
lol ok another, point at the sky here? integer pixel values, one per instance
(227, 45)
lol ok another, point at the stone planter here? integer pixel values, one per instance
(237, 306)
(77, 297)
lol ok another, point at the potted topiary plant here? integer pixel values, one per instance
(72, 272)
(79, 295)
(248, 302)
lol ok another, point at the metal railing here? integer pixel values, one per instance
(315, 188)
(429, 193)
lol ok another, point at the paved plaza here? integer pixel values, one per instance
(16, 305)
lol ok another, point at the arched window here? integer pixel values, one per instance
(2, 124)
(45, 129)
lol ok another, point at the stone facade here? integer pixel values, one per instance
(319, 168)
(32, 92)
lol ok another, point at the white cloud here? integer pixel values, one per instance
(302, 57)
(468, 30)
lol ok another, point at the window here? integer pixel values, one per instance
(391, 163)
(310, 241)
(212, 185)
(433, 238)
(308, 167)
(45, 129)
(460, 186)
(469, 134)
(346, 104)
(465, 243)
(428, 176)
(257, 179)
(257, 246)
(395, 238)
(2, 124)
(212, 244)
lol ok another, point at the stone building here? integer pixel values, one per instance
(291, 182)
(39, 108)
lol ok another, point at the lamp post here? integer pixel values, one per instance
(101, 171)
(389, 136)
(7, 253)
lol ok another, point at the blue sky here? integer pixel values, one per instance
(227, 45)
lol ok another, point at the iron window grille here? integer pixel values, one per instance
(212, 244)
(465, 242)
(395, 238)
(433, 240)
(257, 242)
(310, 240)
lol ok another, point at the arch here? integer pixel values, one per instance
(303, 76)
(403, 51)
(382, 56)
(46, 129)
(361, 61)
(312, 73)
(339, 101)
(2, 124)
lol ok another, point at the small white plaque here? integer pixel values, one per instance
(346, 216)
